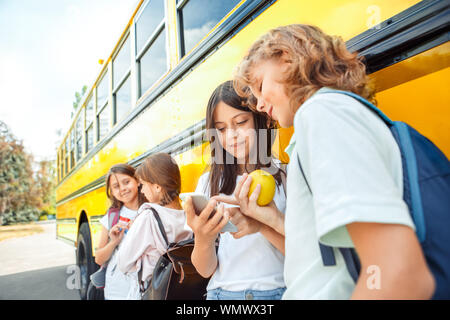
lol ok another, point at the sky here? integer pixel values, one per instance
(49, 49)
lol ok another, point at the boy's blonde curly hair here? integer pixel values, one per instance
(316, 60)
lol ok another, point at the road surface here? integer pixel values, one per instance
(37, 267)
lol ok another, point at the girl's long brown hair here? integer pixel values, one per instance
(128, 170)
(315, 60)
(161, 168)
(222, 178)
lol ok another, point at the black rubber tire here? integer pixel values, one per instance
(85, 260)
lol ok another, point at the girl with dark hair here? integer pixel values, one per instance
(161, 183)
(248, 263)
(122, 189)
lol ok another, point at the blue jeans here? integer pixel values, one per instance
(220, 294)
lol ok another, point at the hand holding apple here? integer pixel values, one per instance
(267, 183)
(268, 215)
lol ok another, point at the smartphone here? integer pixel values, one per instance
(200, 201)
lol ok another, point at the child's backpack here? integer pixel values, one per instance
(426, 191)
(174, 276)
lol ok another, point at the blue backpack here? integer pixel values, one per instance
(426, 191)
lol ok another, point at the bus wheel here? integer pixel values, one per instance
(85, 260)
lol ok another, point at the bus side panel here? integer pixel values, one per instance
(66, 222)
(94, 204)
(422, 100)
(192, 165)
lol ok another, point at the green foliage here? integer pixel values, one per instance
(22, 215)
(78, 97)
(23, 193)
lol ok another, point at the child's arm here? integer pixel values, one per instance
(138, 239)
(274, 237)
(204, 256)
(106, 247)
(395, 257)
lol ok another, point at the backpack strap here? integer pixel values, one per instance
(365, 102)
(328, 258)
(113, 217)
(161, 226)
(352, 262)
(163, 232)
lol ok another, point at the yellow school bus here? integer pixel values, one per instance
(152, 92)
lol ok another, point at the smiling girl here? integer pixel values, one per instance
(122, 189)
(248, 263)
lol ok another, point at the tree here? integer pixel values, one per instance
(78, 97)
(45, 184)
(19, 197)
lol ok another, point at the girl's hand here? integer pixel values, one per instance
(267, 214)
(245, 225)
(116, 234)
(205, 230)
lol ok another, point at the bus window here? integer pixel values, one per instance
(102, 108)
(151, 55)
(197, 17)
(66, 160)
(153, 63)
(89, 137)
(121, 63)
(103, 122)
(72, 148)
(57, 167)
(89, 124)
(149, 19)
(61, 164)
(122, 99)
(121, 81)
(102, 92)
(79, 135)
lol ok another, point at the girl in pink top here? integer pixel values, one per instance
(161, 183)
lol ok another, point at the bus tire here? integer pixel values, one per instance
(85, 260)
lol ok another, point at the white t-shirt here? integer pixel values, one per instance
(248, 263)
(353, 166)
(117, 284)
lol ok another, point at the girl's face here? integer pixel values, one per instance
(236, 130)
(270, 92)
(124, 188)
(152, 191)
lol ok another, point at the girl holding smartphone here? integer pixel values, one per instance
(248, 263)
